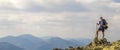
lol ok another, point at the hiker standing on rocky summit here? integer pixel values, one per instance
(102, 27)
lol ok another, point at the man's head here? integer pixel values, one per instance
(101, 18)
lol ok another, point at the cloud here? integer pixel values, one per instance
(117, 1)
(43, 5)
(57, 5)
(54, 5)
(63, 18)
(86, 1)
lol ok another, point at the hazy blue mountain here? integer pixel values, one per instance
(32, 38)
(30, 42)
(20, 42)
(8, 46)
(27, 42)
(53, 42)
(81, 41)
(56, 42)
(59, 41)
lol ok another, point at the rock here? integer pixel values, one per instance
(114, 46)
(98, 44)
(97, 48)
(102, 44)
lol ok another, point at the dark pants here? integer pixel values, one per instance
(101, 29)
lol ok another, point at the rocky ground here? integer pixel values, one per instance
(96, 44)
(102, 44)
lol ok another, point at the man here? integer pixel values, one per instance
(102, 26)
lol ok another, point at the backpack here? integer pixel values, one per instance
(104, 23)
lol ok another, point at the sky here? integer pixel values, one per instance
(61, 18)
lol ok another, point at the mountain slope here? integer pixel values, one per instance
(27, 42)
(8, 46)
(56, 42)
(81, 41)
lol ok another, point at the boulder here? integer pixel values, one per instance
(97, 44)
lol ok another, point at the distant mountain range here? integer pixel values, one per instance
(29, 42)
(8, 46)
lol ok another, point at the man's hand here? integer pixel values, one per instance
(104, 25)
(97, 24)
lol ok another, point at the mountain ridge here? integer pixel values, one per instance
(30, 42)
(8, 46)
